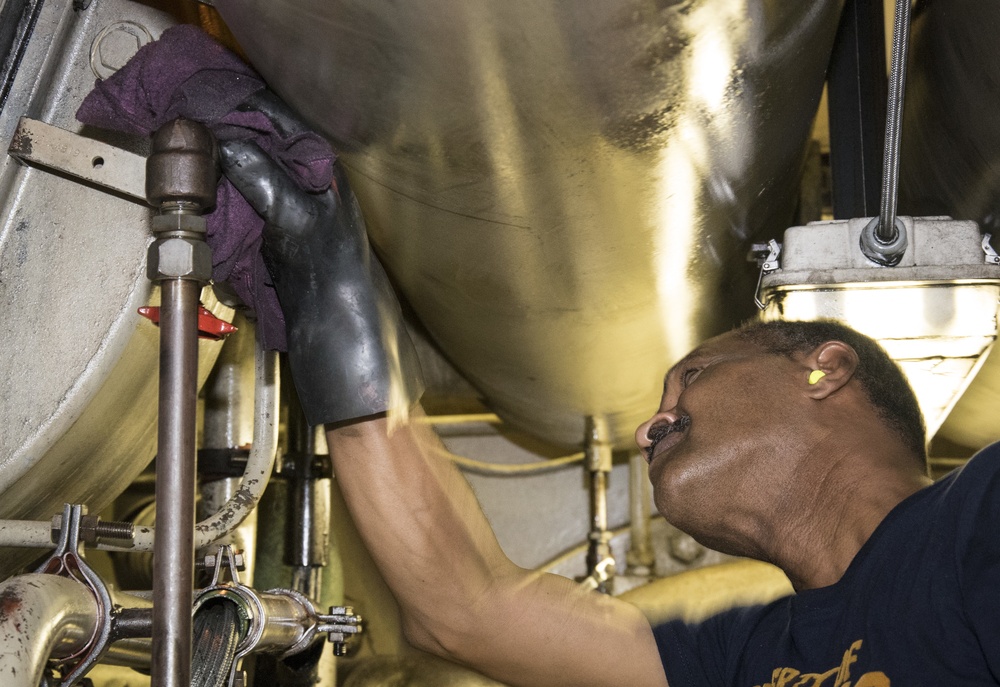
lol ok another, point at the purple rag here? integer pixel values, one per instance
(187, 74)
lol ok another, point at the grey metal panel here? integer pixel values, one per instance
(78, 365)
(564, 190)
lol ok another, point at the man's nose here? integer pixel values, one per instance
(662, 417)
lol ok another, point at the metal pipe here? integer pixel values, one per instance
(279, 621)
(226, 431)
(308, 537)
(214, 495)
(260, 463)
(641, 557)
(173, 552)
(27, 533)
(857, 88)
(600, 563)
(181, 176)
(38, 534)
(43, 617)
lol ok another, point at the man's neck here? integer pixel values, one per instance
(817, 540)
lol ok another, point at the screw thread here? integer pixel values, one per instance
(111, 529)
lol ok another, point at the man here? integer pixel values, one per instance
(795, 444)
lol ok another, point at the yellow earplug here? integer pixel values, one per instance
(816, 375)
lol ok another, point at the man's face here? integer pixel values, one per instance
(715, 436)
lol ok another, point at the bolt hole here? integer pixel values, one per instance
(97, 162)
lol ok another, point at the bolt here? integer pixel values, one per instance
(93, 529)
(210, 560)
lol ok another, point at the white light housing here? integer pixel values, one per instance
(935, 313)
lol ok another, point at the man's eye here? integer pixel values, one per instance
(689, 376)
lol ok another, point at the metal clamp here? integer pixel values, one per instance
(261, 612)
(991, 255)
(768, 264)
(340, 624)
(93, 530)
(67, 561)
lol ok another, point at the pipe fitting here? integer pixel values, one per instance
(179, 258)
(183, 167)
(45, 617)
(887, 254)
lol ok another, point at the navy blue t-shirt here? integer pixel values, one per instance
(919, 605)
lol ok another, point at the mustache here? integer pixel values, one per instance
(659, 431)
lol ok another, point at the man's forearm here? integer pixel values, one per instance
(459, 595)
(422, 525)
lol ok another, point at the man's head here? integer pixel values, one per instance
(746, 418)
(881, 379)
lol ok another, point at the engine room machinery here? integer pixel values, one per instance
(568, 194)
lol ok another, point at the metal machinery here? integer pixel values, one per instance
(565, 193)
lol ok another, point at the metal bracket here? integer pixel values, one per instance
(991, 255)
(67, 561)
(226, 557)
(340, 624)
(767, 255)
(49, 147)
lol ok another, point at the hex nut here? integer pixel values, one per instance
(179, 258)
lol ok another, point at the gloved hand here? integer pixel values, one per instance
(349, 353)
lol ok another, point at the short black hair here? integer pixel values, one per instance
(883, 382)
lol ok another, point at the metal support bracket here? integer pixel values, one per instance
(67, 561)
(766, 254)
(48, 147)
(991, 255)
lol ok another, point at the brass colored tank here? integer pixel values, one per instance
(564, 190)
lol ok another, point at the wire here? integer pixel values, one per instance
(495, 469)
(511, 469)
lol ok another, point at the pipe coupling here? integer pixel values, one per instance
(885, 253)
(183, 167)
(281, 621)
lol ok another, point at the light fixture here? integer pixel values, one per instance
(935, 312)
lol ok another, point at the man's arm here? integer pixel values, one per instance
(459, 595)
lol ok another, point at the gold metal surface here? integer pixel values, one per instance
(563, 190)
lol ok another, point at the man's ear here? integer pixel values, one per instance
(831, 366)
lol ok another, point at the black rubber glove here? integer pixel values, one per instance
(349, 353)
